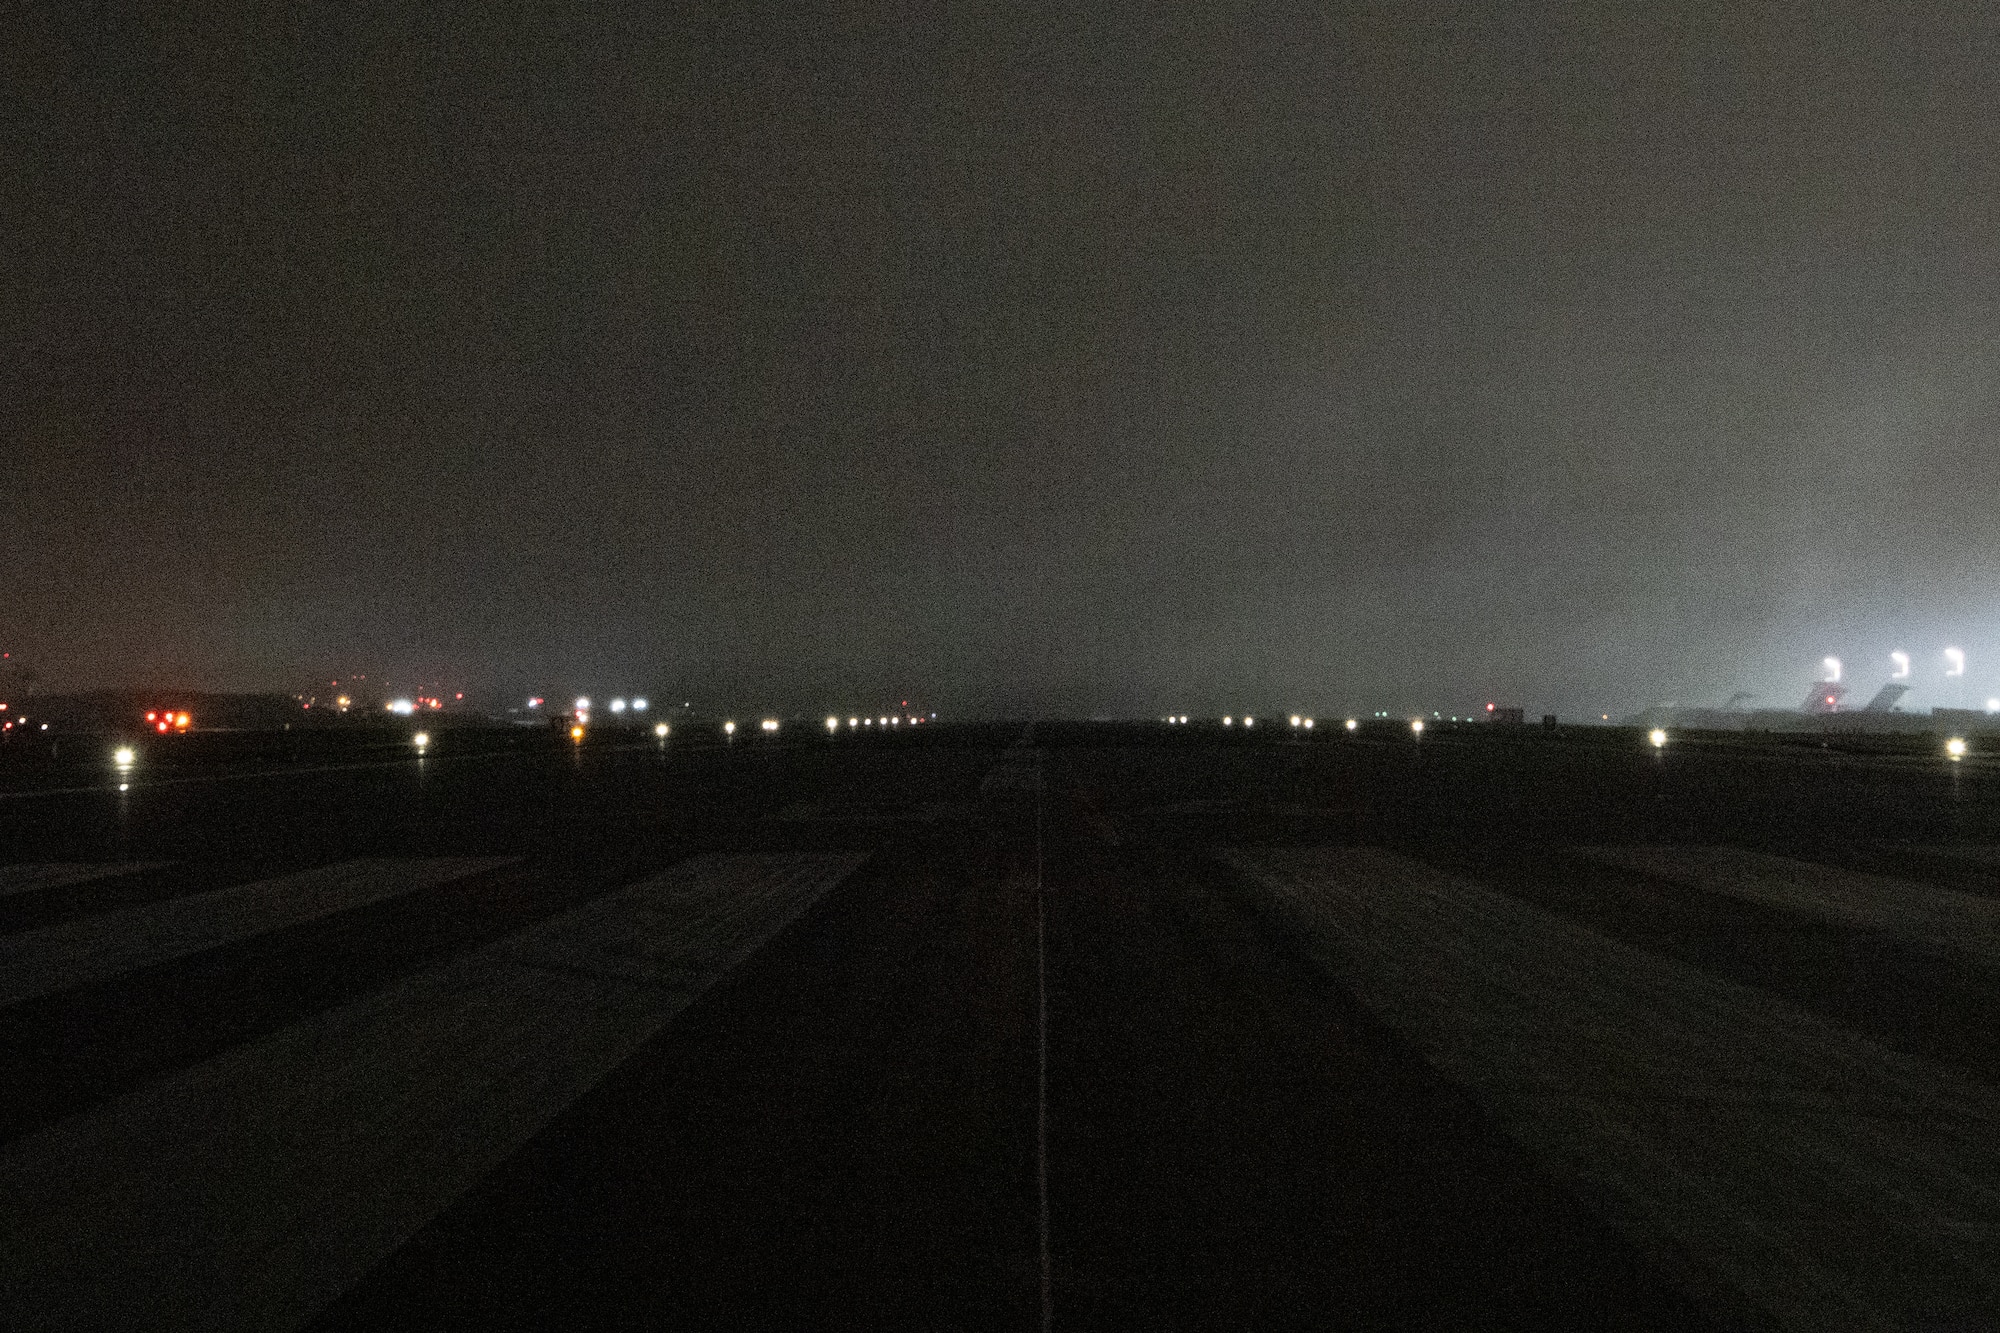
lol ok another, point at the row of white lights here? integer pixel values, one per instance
(1954, 665)
(1955, 748)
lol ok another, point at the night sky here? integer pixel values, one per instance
(1092, 359)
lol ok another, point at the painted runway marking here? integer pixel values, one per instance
(1833, 1183)
(54, 958)
(1942, 918)
(249, 1191)
(1042, 1069)
(28, 878)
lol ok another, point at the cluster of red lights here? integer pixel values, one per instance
(164, 722)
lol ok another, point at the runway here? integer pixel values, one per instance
(786, 1036)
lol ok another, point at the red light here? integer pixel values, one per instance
(459, 695)
(1489, 708)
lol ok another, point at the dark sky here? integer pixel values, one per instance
(1094, 358)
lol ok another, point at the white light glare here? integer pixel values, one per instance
(833, 724)
(660, 730)
(638, 705)
(1955, 747)
(1249, 721)
(1993, 705)
(1902, 661)
(770, 724)
(1657, 737)
(1307, 724)
(401, 707)
(729, 728)
(1295, 719)
(1228, 721)
(853, 721)
(124, 756)
(1832, 665)
(1352, 725)
(1417, 725)
(617, 705)
(583, 704)
(421, 739)
(1955, 657)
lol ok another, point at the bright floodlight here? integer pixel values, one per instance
(833, 724)
(1295, 719)
(769, 724)
(1307, 724)
(638, 705)
(1352, 725)
(1902, 661)
(576, 733)
(1954, 661)
(582, 703)
(1228, 721)
(1657, 737)
(617, 705)
(1249, 721)
(853, 721)
(1993, 705)
(1832, 665)
(729, 728)
(124, 756)
(421, 739)
(1955, 747)
(402, 707)
(1417, 725)
(660, 730)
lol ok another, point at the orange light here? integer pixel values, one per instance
(576, 733)
(181, 721)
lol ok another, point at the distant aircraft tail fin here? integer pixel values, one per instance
(1825, 698)
(1886, 698)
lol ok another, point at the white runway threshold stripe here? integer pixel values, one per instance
(57, 875)
(92, 948)
(1772, 1158)
(1940, 918)
(249, 1191)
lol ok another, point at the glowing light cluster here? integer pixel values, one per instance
(1657, 738)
